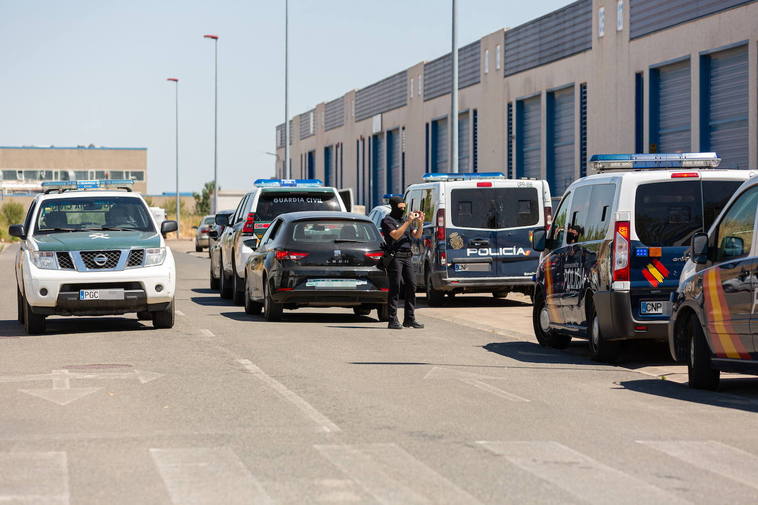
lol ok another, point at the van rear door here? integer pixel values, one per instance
(489, 228)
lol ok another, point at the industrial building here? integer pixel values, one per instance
(24, 168)
(596, 76)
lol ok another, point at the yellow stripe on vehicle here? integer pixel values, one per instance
(654, 271)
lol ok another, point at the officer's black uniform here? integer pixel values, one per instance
(400, 270)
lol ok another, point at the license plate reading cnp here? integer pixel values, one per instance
(101, 294)
(651, 308)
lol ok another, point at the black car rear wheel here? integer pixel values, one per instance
(361, 311)
(700, 371)
(272, 311)
(546, 336)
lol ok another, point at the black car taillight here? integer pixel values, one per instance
(290, 255)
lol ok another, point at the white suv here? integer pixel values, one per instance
(90, 249)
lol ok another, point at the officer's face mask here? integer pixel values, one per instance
(397, 212)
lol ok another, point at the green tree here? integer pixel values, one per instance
(13, 212)
(203, 200)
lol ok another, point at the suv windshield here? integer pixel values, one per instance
(274, 203)
(93, 213)
(494, 208)
(333, 231)
(669, 213)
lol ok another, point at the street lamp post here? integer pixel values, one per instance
(178, 220)
(286, 90)
(454, 95)
(215, 122)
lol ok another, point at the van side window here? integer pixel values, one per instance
(600, 212)
(735, 232)
(427, 204)
(414, 201)
(558, 228)
(580, 207)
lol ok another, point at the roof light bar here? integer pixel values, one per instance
(93, 184)
(433, 177)
(390, 195)
(606, 162)
(288, 183)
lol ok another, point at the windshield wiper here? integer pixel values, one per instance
(107, 228)
(50, 230)
(341, 240)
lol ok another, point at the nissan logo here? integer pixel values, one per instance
(100, 260)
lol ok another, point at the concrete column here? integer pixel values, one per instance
(695, 102)
(752, 122)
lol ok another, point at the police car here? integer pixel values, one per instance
(618, 243)
(254, 214)
(93, 248)
(713, 324)
(477, 237)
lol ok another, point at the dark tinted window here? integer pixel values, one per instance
(274, 203)
(93, 213)
(668, 213)
(322, 231)
(590, 212)
(494, 208)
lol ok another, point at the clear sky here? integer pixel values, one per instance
(93, 72)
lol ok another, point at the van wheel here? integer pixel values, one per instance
(434, 297)
(238, 291)
(600, 348)
(700, 372)
(34, 324)
(500, 294)
(251, 306)
(19, 306)
(383, 313)
(272, 311)
(225, 285)
(164, 318)
(546, 336)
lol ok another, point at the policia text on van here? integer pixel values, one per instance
(618, 244)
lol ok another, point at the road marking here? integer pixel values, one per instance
(39, 478)
(580, 475)
(306, 408)
(62, 393)
(208, 476)
(721, 459)
(207, 333)
(180, 313)
(392, 476)
(473, 379)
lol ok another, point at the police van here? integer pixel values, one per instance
(477, 234)
(617, 245)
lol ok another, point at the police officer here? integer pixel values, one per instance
(396, 228)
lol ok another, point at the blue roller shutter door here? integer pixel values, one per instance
(724, 123)
(560, 163)
(394, 175)
(378, 170)
(528, 133)
(464, 143)
(671, 108)
(311, 165)
(329, 179)
(439, 145)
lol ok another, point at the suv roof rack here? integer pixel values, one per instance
(102, 184)
(611, 162)
(437, 176)
(288, 183)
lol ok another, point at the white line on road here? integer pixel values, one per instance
(207, 333)
(39, 478)
(474, 379)
(305, 407)
(208, 476)
(580, 475)
(721, 459)
(392, 476)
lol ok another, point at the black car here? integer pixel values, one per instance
(317, 259)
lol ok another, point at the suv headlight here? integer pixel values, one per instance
(44, 259)
(155, 257)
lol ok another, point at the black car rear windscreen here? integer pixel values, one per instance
(494, 208)
(274, 203)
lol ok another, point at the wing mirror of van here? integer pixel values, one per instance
(539, 240)
(222, 219)
(700, 248)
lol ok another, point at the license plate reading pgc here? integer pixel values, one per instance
(101, 294)
(651, 308)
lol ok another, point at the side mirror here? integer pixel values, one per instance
(699, 248)
(539, 239)
(168, 226)
(222, 219)
(253, 243)
(194, 227)
(17, 230)
(213, 234)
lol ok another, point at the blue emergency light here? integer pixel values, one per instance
(87, 184)
(438, 176)
(605, 162)
(288, 183)
(390, 195)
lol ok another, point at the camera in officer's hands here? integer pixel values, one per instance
(414, 215)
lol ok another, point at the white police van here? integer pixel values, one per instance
(618, 243)
(477, 234)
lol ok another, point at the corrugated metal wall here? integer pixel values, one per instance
(464, 142)
(307, 124)
(394, 173)
(554, 36)
(378, 170)
(438, 75)
(582, 129)
(648, 16)
(280, 135)
(670, 107)
(561, 170)
(439, 146)
(509, 140)
(528, 135)
(334, 113)
(383, 96)
(724, 110)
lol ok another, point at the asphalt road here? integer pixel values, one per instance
(327, 408)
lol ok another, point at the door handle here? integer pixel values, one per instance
(479, 243)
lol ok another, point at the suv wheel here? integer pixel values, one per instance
(600, 348)
(272, 311)
(699, 370)
(19, 306)
(225, 287)
(238, 289)
(34, 324)
(214, 284)
(251, 307)
(546, 336)
(434, 297)
(164, 318)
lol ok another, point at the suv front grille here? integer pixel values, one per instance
(136, 258)
(64, 261)
(100, 260)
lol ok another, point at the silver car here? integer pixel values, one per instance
(201, 232)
